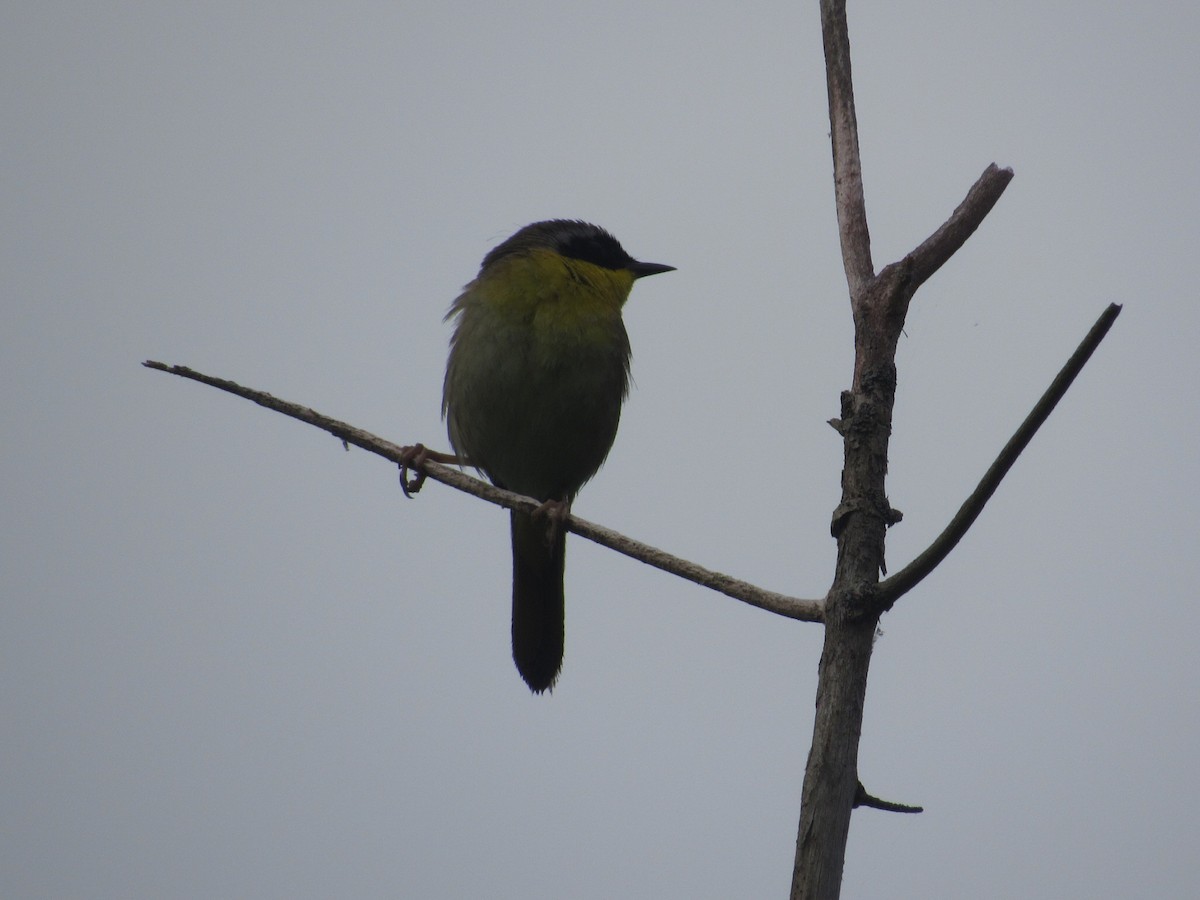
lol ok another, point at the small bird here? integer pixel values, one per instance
(538, 369)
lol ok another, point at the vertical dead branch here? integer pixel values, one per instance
(879, 304)
(831, 777)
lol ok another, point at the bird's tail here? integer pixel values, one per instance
(537, 613)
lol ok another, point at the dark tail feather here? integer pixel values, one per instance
(537, 615)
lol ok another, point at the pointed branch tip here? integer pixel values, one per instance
(862, 798)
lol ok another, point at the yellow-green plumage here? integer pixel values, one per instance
(538, 369)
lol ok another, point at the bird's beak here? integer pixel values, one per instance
(642, 269)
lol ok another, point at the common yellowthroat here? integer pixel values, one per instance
(538, 369)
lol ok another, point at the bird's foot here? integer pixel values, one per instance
(413, 459)
(556, 513)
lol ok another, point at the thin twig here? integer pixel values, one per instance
(791, 607)
(907, 578)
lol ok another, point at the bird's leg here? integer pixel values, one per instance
(556, 513)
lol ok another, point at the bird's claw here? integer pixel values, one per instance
(412, 458)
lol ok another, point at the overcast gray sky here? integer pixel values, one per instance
(235, 662)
